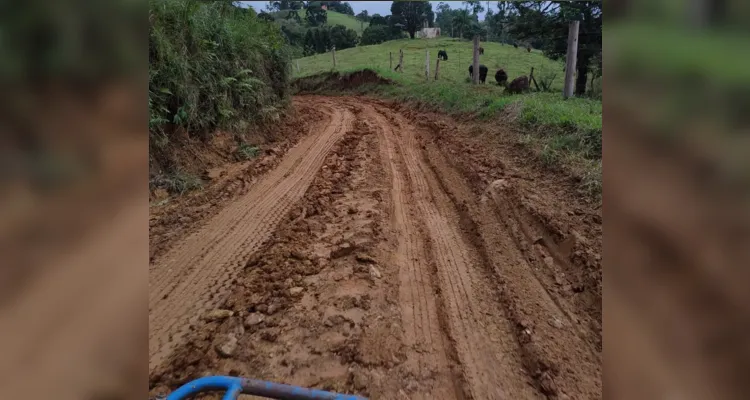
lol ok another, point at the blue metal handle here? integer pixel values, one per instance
(236, 386)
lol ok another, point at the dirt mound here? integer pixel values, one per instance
(332, 81)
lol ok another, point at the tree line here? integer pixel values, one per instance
(304, 25)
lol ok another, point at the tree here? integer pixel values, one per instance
(362, 18)
(475, 6)
(338, 6)
(266, 16)
(378, 19)
(412, 15)
(342, 37)
(462, 22)
(294, 16)
(376, 34)
(315, 15)
(444, 17)
(284, 5)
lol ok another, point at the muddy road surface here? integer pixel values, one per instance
(388, 254)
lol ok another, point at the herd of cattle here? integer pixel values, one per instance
(518, 85)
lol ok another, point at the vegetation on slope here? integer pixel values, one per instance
(211, 66)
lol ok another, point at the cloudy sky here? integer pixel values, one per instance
(376, 7)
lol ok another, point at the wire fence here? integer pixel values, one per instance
(515, 61)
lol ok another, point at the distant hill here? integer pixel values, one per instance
(334, 18)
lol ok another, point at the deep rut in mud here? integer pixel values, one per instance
(367, 263)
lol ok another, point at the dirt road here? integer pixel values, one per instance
(386, 256)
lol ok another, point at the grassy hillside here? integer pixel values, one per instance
(565, 131)
(516, 62)
(336, 18)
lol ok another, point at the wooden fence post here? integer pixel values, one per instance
(437, 68)
(531, 77)
(427, 64)
(570, 59)
(333, 53)
(390, 58)
(475, 65)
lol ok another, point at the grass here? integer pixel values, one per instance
(564, 132)
(337, 18)
(211, 66)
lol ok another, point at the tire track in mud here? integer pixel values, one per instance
(556, 351)
(195, 275)
(417, 298)
(484, 347)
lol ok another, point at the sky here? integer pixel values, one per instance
(378, 7)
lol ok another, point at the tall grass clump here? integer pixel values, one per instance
(212, 66)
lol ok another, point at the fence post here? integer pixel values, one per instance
(427, 64)
(531, 77)
(437, 68)
(390, 59)
(570, 59)
(400, 60)
(333, 53)
(475, 67)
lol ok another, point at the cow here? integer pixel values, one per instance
(443, 55)
(515, 45)
(528, 48)
(501, 77)
(482, 72)
(481, 50)
(518, 85)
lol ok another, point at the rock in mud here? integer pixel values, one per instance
(365, 259)
(227, 347)
(296, 290)
(218, 315)
(375, 273)
(272, 308)
(254, 319)
(342, 250)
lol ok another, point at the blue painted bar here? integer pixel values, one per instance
(234, 386)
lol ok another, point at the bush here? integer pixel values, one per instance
(322, 39)
(212, 65)
(376, 34)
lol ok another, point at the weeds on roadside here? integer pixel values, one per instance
(212, 65)
(247, 151)
(177, 183)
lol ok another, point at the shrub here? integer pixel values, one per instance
(376, 34)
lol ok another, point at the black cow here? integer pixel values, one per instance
(501, 77)
(443, 55)
(482, 72)
(518, 85)
(481, 50)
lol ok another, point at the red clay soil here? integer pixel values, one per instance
(225, 179)
(393, 259)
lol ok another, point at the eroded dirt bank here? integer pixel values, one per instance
(388, 254)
